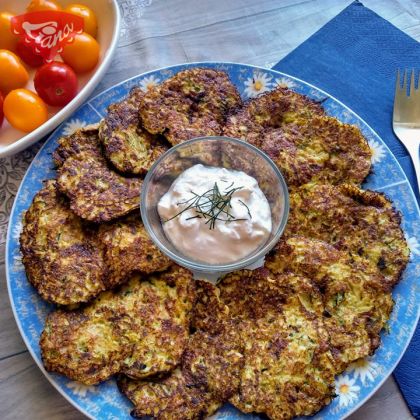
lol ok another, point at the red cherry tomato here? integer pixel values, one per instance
(27, 55)
(1, 110)
(56, 83)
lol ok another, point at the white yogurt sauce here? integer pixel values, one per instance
(225, 242)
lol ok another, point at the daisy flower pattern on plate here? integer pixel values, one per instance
(378, 151)
(285, 82)
(259, 83)
(73, 125)
(346, 390)
(80, 389)
(148, 83)
(16, 230)
(364, 369)
(413, 244)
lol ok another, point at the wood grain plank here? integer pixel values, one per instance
(10, 339)
(26, 393)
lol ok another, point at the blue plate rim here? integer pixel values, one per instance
(55, 384)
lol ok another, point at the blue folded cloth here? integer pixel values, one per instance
(354, 57)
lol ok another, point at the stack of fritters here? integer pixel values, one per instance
(269, 341)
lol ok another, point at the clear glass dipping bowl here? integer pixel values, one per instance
(222, 152)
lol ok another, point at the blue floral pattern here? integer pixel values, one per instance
(359, 381)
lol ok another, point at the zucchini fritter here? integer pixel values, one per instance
(192, 103)
(62, 258)
(169, 399)
(363, 223)
(96, 192)
(140, 330)
(208, 375)
(319, 150)
(303, 142)
(129, 147)
(268, 112)
(357, 299)
(129, 249)
(288, 368)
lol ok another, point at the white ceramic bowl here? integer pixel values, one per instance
(108, 15)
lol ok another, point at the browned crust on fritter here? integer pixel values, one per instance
(214, 362)
(357, 299)
(140, 330)
(288, 368)
(363, 223)
(128, 249)
(192, 103)
(84, 140)
(168, 399)
(96, 192)
(62, 258)
(305, 144)
(320, 150)
(129, 147)
(271, 110)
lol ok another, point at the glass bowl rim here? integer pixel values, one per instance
(200, 266)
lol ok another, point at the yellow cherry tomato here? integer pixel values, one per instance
(91, 25)
(8, 40)
(82, 54)
(24, 110)
(40, 5)
(13, 74)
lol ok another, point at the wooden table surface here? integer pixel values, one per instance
(159, 33)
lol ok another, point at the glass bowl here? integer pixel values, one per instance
(221, 152)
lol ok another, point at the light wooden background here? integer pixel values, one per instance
(158, 33)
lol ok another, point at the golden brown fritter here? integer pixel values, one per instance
(169, 399)
(62, 258)
(192, 103)
(288, 368)
(213, 362)
(96, 192)
(129, 147)
(363, 223)
(268, 112)
(304, 143)
(129, 249)
(208, 375)
(357, 299)
(140, 330)
(321, 149)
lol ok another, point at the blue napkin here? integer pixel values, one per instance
(354, 57)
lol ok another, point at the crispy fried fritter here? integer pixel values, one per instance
(208, 375)
(129, 249)
(140, 330)
(214, 362)
(321, 149)
(269, 111)
(192, 103)
(169, 399)
(96, 192)
(305, 144)
(363, 223)
(62, 258)
(159, 322)
(127, 144)
(357, 299)
(288, 369)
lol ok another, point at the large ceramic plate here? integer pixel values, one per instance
(104, 401)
